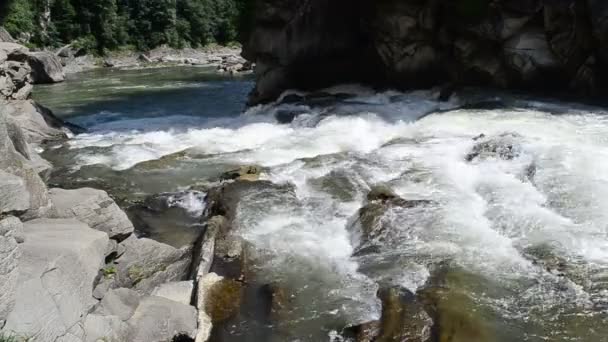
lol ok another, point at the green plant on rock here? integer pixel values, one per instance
(137, 274)
(109, 272)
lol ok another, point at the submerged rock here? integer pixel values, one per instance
(504, 146)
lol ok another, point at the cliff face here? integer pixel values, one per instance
(543, 45)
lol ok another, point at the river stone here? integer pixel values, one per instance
(93, 207)
(59, 263)
(179, 291)
(146, 264)
(158, 319)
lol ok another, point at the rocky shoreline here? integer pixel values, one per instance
(224, 59)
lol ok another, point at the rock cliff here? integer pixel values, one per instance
(556, 45)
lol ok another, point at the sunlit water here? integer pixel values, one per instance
(531, 246)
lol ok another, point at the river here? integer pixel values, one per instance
(510, 245)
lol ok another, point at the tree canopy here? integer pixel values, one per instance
(110, 24)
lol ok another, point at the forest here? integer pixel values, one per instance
(100, 26)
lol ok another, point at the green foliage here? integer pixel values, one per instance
(103, 25)
(20, 18)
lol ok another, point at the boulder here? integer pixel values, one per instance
(58, 266)
(505, 146)
(37, 122)
(23, 190)
(46, 67)
(179, 291)
(93, 207)
(146, 264)
(159, 319)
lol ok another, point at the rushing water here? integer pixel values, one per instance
(522, 239)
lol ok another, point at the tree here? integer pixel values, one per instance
(20, 18)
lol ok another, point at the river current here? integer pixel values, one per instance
(518, 243)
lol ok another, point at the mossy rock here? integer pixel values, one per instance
(224, 300)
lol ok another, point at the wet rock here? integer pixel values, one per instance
(382, 193)
(93, 207)
(146, 264)
(37, 122)
(504, 146)
(403, 317)
(180, 291)
(247, 173)
(223, 299)
(205, 323)
(205, 247)
(59, 262)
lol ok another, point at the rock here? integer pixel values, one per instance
(248, 173)
(180, 291)
(46, 67)
(19, 73)
(14, 196)
(5, 36)
(24, 92)
(93, 207)
(99, 328)
(37, 122)
(381, 192)
(25, 192)
(144, 58)
(41, 166)
(146, 264)
(204, 285)
(12, 49)
(504, 146)
(104, 285)
(121, 303)
(7, 87)
(529, 55)
(403, 318)
(11, 234)
(159, 319)
(65, 52)
(59, 263)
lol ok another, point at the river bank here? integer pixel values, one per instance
(224, 59)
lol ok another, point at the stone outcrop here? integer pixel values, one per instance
(58, 265)
(93, 207)
(538, 45)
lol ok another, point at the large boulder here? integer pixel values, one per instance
(58, 266)
(146, 264)
(46, 67)
(23, 191)
(93, 207)
(37, 122)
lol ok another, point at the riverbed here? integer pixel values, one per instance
(510, 245)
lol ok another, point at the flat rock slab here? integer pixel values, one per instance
(159, 319)
(93, 207)
(178, 291)
(60, 261)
